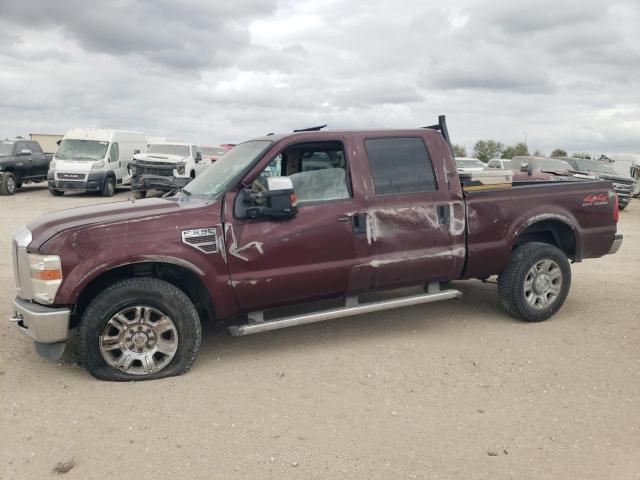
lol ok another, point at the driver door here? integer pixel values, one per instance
(314, 255)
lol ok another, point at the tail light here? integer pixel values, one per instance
(294, 200)
(616, 208)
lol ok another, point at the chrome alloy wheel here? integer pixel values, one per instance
(139, 340)
(542, 284)
(11, 184)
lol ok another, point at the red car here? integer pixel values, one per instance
(291, 219)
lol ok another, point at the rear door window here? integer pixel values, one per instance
(400, 166)
(114, 153)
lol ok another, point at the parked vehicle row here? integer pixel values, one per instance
(294, 218)
(531, 168)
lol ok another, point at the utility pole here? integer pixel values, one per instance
(525, 138)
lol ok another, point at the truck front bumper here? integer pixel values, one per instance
(617, 243)
(93, 183)
(146, 182)
(41, 324)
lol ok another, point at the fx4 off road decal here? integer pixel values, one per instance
(593, 200)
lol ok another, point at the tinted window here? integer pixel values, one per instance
(34, 147)
(400, 165)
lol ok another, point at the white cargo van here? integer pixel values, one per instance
(94, 160)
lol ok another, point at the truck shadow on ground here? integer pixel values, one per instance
(480, 303)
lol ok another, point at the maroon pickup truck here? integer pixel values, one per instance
(289, 219)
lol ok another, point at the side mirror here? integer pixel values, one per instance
(24, 152)
(198, 157)
(136, 151)
(526, 168)
(277, 201)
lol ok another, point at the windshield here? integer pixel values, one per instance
(551, 164)
(182, 150)
(217, 152)
(6, 148)
(592, 166)
(221, 174)
(469, 163)
(81, 150)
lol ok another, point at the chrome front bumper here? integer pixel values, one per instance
(42, 324)
(617, 243)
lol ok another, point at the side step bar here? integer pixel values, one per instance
(352, 307)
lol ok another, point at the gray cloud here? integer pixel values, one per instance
(567, 73)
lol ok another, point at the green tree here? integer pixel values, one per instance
(559, 153)
(538, 153)
(517, 150)
(581, 155)
(485, 150)
(459, 150)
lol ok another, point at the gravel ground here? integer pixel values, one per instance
(448, 390)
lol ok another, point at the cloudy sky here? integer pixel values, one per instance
(565, 72)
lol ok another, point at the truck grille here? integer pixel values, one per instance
(71, 176)
(623, 187)
(70, 185)
(154, 168)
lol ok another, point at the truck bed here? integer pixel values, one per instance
(582, 214)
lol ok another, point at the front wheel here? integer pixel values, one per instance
(8, 184)
(139, 194)
(139, 329)
(56, 193)
(536, 282)
(109, 187)
(622, 207)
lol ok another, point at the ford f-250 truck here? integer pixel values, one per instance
(294, 218)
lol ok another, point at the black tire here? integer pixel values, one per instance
(147, 293)
(56, 193)
(139, 194)
(8, 184)
(109, 187)
(511, 282)
(622, 207)
(18, 184)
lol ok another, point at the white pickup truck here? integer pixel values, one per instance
(165, 167)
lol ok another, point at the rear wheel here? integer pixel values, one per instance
(8, 184)
(56, 193)
(536, 282)
(139, 329)
(109, 187)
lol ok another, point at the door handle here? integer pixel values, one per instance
(359, 223)
(444, 214)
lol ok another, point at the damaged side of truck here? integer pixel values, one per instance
(290, 219)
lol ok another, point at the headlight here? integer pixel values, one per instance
(180, 168)
(46, 276)
(97, 165)
(52, 165)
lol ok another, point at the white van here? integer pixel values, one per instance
(94, 160)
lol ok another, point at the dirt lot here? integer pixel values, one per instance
(448, 390)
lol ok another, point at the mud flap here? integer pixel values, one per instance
(51, 351)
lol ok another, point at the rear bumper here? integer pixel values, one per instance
(617, 243)
(157, 182)
(41, 324)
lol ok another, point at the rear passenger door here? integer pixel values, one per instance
(415, 218)
(39, 164)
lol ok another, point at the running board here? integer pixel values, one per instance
(352, 307)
